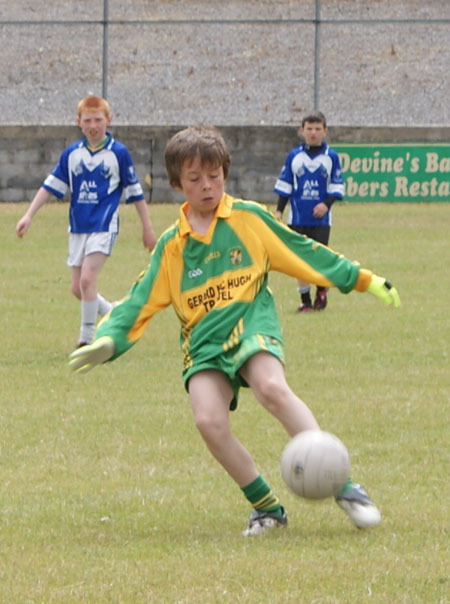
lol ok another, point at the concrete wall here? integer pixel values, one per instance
(28, 153)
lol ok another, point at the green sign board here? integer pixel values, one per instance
(403, 172)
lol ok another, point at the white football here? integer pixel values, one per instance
(315, 464)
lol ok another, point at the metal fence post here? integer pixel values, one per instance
(316, 54)
(105, 50)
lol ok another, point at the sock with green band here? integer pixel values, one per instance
(261, 496)
(348, 485)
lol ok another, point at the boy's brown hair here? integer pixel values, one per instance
(203, 141)
(93, 103)
(315, 116)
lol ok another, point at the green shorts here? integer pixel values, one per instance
(231, 361)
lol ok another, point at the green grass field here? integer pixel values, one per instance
(108, 495)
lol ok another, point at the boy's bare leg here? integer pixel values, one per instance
(210, 396)
(75, 272)
(84, 287)
(264, 373)
(92, 264)
(103, 305)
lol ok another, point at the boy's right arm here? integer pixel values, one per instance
(281, 204)
(125, 324)
(41, 197)
(87, 357)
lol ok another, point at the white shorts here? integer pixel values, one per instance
(83, 244)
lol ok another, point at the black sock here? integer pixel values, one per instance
(306, 298)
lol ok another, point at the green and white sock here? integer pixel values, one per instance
(347, 486)
(261, 496)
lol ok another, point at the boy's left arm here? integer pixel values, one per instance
(303, 258)
(324, 206)
(320, 209)
(134, 194)
(148, 236)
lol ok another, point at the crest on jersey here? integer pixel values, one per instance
(105, 170)
(235, 256)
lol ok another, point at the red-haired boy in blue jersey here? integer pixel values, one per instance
(95, 170)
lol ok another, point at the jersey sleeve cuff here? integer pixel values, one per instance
(363, 280)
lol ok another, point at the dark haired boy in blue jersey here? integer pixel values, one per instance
(96, 170)
(311, 180)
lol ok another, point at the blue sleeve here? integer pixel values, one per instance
(58, 182)
(285, 180)
(336, 183)
(130, 184)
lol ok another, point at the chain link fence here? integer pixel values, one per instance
(250, 62)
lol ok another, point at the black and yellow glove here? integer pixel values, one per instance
(87, 357)
(382, 289)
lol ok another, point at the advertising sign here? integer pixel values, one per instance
(395, 172)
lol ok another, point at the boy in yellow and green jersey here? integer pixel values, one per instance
(212, 266)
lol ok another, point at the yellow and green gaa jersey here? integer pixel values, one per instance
(218, 282)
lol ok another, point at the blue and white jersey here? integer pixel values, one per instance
(96, 180)
(307, 179)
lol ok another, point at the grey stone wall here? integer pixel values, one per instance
(28, 153)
